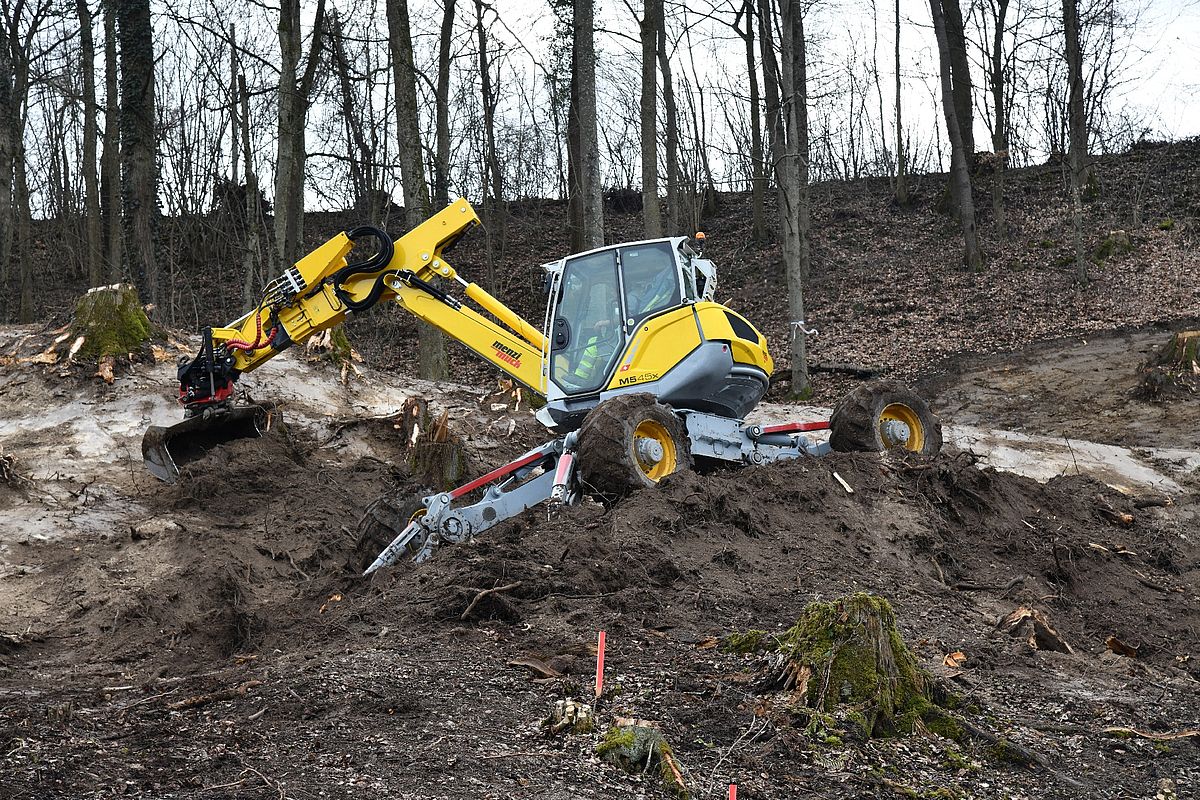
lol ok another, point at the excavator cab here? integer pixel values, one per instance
(640, 317)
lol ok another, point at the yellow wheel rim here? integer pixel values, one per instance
(900, 427)
(653, 432)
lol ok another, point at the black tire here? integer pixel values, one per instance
(607, 446)
(385, 519)
(858, 422)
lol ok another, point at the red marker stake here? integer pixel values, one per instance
(733, 791)
(600, 666)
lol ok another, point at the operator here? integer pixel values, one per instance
(596, 352)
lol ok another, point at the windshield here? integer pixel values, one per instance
(586, 337)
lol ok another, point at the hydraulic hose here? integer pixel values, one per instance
(381, 258)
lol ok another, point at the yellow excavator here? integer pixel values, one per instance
(643, 373)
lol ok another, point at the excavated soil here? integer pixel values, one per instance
(222, 648)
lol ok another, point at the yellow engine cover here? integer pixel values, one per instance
(661, 342)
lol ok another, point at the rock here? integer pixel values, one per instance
(150, 528)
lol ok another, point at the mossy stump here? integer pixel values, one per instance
(641, 748)
(111, 321)
(846, 661)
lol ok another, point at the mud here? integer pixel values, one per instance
(208, 640)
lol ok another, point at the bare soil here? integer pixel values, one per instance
(208, 639)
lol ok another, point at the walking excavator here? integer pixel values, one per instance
(643, 373)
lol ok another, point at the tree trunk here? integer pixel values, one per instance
(441, 161)
(583, 89)
(758, 174)
(1081, 173)
(671, 148)
(24, 237)
(1000, 131)
(8, 115)
(110, 159)
(960, 74)
(901, 150)
(652, 20)
(494, 180)
(295, 91)
(786, 82)
(139, 168)
(91, 189)
(795, 96)
(361, 172)
(252, 260)
(960, 180)
(431, 347)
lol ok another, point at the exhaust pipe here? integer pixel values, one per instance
(166, 448)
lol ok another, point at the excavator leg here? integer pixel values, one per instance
(546, 473)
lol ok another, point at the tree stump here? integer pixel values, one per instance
(637, 746)
(846, 661)
(1175, 366)
(436, 456)
(111, 322)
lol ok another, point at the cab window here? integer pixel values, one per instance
(651, 279)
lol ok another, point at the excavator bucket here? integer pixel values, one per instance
(166, 449)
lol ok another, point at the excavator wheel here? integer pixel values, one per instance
(384, 520)
(631, 442)
(885, 415)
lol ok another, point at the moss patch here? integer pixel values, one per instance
(751, 641)
(112, 322)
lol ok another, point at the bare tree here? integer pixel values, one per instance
(671, 145)
(493, 187)
(91, 188)
(787, 116)
(758, 174)
(441, 161)
(586, 156)
(901, 149)
(652, 21)
(431, 351)
(960, 73)
(960, 178)
(139, 165)
(1081, 174)
(295, 97)
(110, 158)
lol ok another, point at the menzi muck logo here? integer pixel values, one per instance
(506, 354)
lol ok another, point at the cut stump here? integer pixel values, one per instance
(109, 322)
(846, 662)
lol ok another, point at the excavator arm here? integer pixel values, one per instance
(323, 288)
(318, 293)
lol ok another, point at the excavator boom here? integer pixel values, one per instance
(318, 293)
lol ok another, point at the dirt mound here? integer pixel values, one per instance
(713, 553)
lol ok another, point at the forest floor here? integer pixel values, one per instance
(209, 639)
